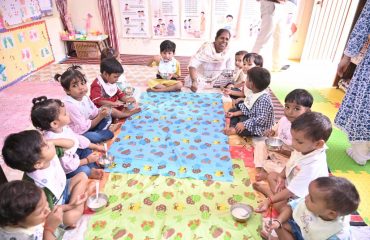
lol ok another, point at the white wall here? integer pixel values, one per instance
(54, 26)
(79, 10)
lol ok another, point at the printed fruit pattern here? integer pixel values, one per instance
(193, 224)
(192, 199)
(149, 200)
(147, 225)
(234, 199)
(204, 211)
(250, 195)
(99, 225)
(118, 233)
(126, 195)
(215, 231)
(246, 182)
(132, 182)
(161, 210)
(167, 232)
(168, 195)
(209, 195)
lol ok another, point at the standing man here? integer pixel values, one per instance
(276, 23)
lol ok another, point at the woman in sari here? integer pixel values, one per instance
(211, 60)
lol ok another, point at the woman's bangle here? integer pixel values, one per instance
(48, 229)
(275, 220)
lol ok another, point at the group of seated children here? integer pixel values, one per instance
(58, 157)
(311, 204)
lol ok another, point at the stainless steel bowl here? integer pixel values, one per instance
(241, 212)
(274, 144)
(105, 161)
(97, 204)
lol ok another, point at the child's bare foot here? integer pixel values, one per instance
(96, 173)
(261, 175)
(149, 90)
(114, 127)
(91, 188)
(261, 187)
(230, 131)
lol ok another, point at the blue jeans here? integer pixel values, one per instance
(98, 134)
(83, 153)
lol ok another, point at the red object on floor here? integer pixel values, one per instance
(241, 152)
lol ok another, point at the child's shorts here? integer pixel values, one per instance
(155, 82)
(296, 230)
(66, 193)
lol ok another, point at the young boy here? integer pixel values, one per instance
(25, 213)
(29, 152)
(104, 90)
(168, 70)
(237, 91)
(240, 75)
(297, 102)
(255, 115)
(307, 162)
(323, 214)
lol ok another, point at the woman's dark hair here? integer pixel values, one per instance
(340, 194)
(221, 31)
(72, 73)
(301, 97)
(44, 111)
(22, 150)
(18, 200)
(260, 77)
(108, 53)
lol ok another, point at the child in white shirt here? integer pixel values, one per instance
(297, 102)
(322, 214)
(28, 151)
(307, 162)
(25, 213)
(50, 115)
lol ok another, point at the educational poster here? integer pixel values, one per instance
(225, 15)
(165, 18)
(19, 11)
(134, 18)
(23, 50)
(252, 17)
(195, 19)
(46, 7)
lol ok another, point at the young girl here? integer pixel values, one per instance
(25, 213)
(85, 117)
(297, 102)
(50, 115)
(250, 60)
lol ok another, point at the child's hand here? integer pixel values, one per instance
(55, 218)
(94, 157)
(117, 104)
(96, 147)
(229, 114)
(263, 206)
(81, 199)
(239, 127)
(130, 100)
(226, 91)
(105, 111)
(280, 184)
(274, 225)
(269, 133)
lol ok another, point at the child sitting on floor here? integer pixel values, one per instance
(323, 214)
(50, 115)
(239, 78)
(307, 162)
(237, 91)
(104, 90)
(297, 102)
(168, 70)
(85, 117)
(25, 213)
(28, 151)
(255, 115)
